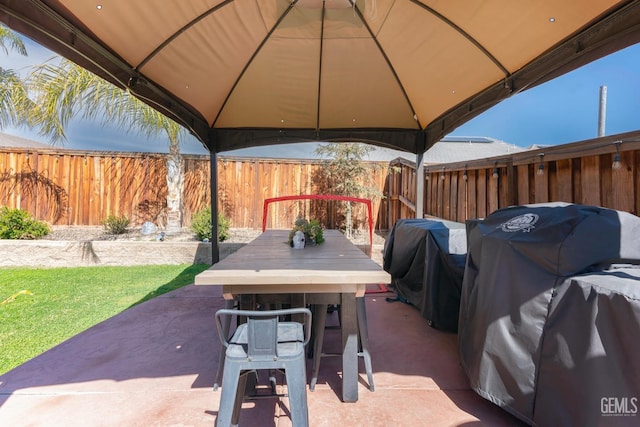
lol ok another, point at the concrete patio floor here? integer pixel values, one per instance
(154, 365)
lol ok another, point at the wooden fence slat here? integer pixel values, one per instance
(623, 190)
(481, 194)
(541, 186)
(564, 183)
(590, 171)
(472, 210)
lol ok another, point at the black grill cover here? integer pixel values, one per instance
(549, 321)
(426, 260)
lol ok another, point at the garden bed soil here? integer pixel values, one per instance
(236, 235)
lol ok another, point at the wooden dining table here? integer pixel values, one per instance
(334, 272)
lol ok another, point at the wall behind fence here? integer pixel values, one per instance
(82, 188)
(579, 172)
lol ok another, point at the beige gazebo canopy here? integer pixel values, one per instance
(395, 73)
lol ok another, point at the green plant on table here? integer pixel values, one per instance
(312, 231)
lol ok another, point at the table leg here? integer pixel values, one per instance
(349, 327)
(297, 300)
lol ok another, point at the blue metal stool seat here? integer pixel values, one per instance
(264, 342)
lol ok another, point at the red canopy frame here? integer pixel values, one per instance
(381, 287)
(320, 197)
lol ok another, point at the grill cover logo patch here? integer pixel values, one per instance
(524, 223)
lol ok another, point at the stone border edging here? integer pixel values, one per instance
(52, 253)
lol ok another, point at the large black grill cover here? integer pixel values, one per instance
(549, 323)
(426, 260)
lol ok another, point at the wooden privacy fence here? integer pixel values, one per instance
(581, 172)
(244, 184)
(65, 187)
(82, 188)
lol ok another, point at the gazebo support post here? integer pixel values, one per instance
(420, 185)
(213, 166)
(421, 148)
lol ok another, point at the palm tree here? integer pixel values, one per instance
(65, 90)
(15, 42)
(14, 99)
(56, 92)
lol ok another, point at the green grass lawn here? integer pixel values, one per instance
(40, 308)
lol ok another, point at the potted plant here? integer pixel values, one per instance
(312, 231)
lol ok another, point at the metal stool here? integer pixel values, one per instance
(264, 343)
(320, 313)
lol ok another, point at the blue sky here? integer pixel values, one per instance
(560, 111)
(566, 109)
